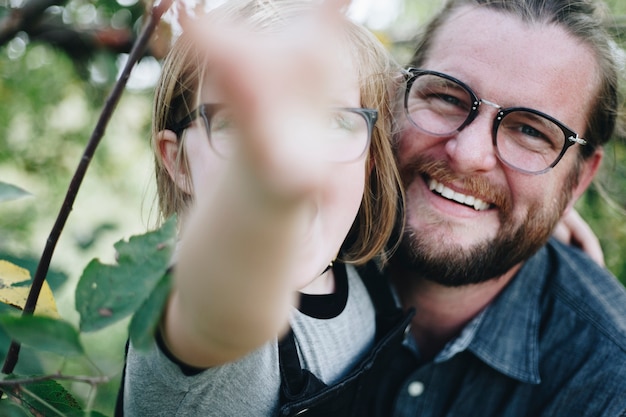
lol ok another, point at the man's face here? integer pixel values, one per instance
(505, 215)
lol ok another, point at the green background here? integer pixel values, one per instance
(51, 95)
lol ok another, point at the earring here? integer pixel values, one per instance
(330, 265)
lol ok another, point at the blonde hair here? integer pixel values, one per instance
(177, 94)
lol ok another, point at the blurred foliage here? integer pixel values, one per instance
(53, 89)
(138, 285)
(56, 69)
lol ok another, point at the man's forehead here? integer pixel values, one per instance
(516, 63)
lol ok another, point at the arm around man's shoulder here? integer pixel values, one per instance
(587, 320)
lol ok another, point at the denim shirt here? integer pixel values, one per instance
(553, 343)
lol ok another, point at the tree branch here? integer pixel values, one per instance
(21, 18)
(80, 46)
(66, 208)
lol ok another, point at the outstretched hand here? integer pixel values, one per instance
(275, 84)
(242, 239)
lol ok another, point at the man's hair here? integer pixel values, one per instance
(582, 19)
(177, 94)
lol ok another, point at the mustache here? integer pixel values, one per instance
(475, 185)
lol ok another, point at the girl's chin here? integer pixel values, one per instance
(306, 278)
(310, 278)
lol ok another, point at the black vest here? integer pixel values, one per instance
(361, 393)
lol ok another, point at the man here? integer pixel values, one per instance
(505, 120)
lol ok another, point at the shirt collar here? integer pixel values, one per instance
(463, 341)
(507, 335)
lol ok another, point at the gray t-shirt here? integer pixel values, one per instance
(329, 348)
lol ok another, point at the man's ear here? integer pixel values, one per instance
(588, 171)
(168, 147)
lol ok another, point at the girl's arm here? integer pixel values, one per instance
(232, 289)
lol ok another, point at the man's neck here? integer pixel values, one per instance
(442, 312)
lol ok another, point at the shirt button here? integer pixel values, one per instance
(415, 388)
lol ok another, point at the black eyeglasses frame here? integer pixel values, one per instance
(206, 111)
(571, 137)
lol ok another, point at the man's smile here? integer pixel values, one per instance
(450, 194)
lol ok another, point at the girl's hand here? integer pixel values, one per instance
(275, 83)
(573, 230)
(243, 242)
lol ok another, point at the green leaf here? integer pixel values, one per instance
(42, 397)
(30, 358)
(9, 309)
(44, 333)
(10, 409)
(11, 192)
(85, 414)
(106, 294)
(146, 319)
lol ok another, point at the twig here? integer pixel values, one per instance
(49, 407)
(21, 383)
(109, 106)
(91, 380)
(18, 19)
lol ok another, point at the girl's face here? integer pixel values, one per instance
(334, 206)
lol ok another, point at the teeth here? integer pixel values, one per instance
(450, 194)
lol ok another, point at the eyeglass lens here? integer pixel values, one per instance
(343, 135)
(523, 139)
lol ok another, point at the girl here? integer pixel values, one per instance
(282, 142)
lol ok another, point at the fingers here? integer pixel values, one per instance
(275, 78)
(562, 232)
(573, 230)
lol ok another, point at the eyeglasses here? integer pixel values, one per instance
(345, 133)
(526, 140)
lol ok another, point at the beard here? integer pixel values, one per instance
(450, 264)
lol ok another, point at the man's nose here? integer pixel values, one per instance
(471, 150)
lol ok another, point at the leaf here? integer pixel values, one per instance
(146, 319)
(42, 397)
(11, 192)
(85, 414)
(54, 277)
(106, 294)
(30, 360)
(44, 333)
(15, 285)
(11, 409)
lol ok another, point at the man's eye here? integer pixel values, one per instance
(452, 100)
(531, 131)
